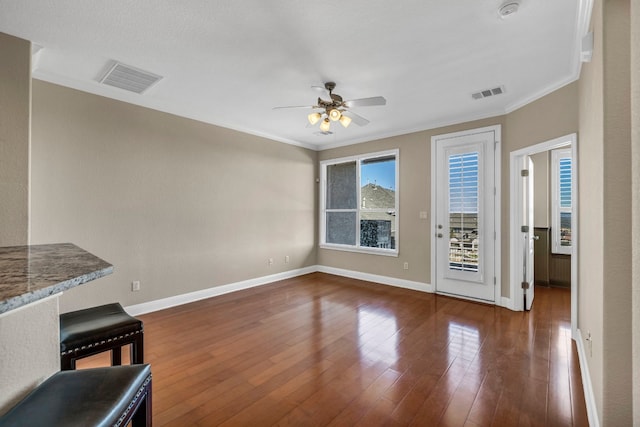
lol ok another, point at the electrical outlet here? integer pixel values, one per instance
(286, 259)
(406, 266)
(270, 262)
(135, 286)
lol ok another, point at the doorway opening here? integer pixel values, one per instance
(520, 266)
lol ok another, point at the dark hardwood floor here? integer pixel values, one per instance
(325, 350)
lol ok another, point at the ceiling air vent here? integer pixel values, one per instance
(129, 78)
(488, 92)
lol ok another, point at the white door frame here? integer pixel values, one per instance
(515, 212)
(497, 132)
(526, 185)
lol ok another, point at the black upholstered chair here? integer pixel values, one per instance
(94, 330)
(110, 396)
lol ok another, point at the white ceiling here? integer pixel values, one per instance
(230, 62)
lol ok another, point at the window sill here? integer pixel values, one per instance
(369, 251)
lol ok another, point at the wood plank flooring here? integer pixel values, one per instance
(323, 350)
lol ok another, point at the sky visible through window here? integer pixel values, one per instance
(382, 173)
(463, 183)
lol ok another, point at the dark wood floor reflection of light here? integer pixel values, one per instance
(325, 350)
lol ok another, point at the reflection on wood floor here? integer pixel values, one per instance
(326, 350)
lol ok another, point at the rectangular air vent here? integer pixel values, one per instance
(129, 78)
(488, 92)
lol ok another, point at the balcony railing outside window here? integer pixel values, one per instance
(463, 254)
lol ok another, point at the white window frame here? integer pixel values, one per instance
(323, 211)
(556, 209)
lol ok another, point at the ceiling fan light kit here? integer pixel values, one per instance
(314, 118)
(325, 125)
(335, 108)
(345, 121)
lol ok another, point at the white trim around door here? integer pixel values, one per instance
(449, 152)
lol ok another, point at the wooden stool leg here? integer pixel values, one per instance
(137, 350)
(116, 356)
(67, 363)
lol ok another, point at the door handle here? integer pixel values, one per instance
(439, 235)
(535, 237)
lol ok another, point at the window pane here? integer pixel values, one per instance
(565, 182)
(378, 183)
(341, 228)
(561, 200)
(463, 212)
(565, 229)
(378, 229)
(341, 187)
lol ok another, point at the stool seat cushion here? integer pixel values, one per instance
(87, 397)
(89, 326)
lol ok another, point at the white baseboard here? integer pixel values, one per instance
(385, 280)
(148, 307)
(161, 304)
(589, 397)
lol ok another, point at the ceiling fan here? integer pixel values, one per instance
(336, 109)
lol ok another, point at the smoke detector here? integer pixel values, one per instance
(509, 8)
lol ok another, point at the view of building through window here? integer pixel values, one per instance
(378, 202)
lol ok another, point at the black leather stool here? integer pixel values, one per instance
(94, 330)
(87, 397)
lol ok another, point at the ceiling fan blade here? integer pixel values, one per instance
(355, 118)
(366, 102)
(296, 106)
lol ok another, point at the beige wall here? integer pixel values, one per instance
(30, 349)
(29, 336)
(617, 390)
(15, 105)
(605, 204)
(591, 201)
(177, 204)
(550, 117)
(635, 167)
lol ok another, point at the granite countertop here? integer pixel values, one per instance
(29, 273)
